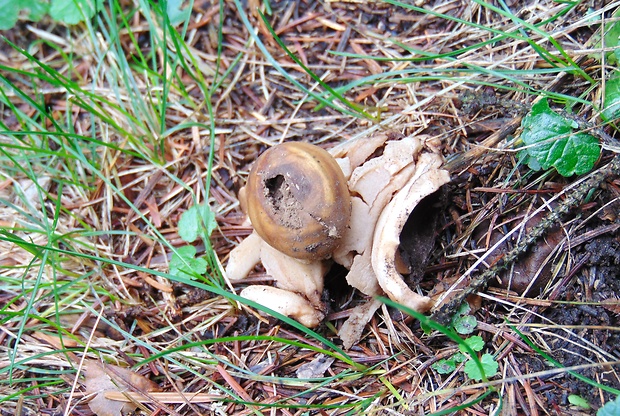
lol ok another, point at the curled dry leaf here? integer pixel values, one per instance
(387, 176)
(612, 305)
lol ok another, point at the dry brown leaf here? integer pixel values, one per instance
(612, 305)
(315, 368)
(101, 378)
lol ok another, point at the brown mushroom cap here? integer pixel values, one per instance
(298, 200)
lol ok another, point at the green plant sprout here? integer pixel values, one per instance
(196, 221)
(465, 324)
(184, 263)
(610, 40)
(611, 106)
(578, 401)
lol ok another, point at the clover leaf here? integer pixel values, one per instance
(444, 366)
(476, 343)
(463, 323)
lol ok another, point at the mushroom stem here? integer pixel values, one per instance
(285, 302)
(244, 257)
(305, 278)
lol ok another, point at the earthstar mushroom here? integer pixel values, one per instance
(385, 177)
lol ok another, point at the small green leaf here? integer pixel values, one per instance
(465, 325)
(73, 12)
(610, 409)
(194, 219)
(576, 400)
(489, 365)
(464, 309)
(611, 109)
(445, 366)
(425, 328)
(184, 263)
(476, 343)
(551, 142)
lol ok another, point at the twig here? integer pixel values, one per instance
(445, 312)
(461, 162)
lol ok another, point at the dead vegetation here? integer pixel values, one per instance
(94, 288)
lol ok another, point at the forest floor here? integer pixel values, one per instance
(112, 129)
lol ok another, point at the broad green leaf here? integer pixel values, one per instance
(194, 219)
(611, 109)
(476, 343)
(551, 141)
(184, 262)
(610, 408)
(73, 12)
(444, 366)
(11, 8)
(10, 11)
(489, 365)
(177, 15)
(576, 400)
(36, 8)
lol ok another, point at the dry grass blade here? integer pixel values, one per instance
(159, 397)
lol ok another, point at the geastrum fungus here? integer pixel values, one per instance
(310, 207)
